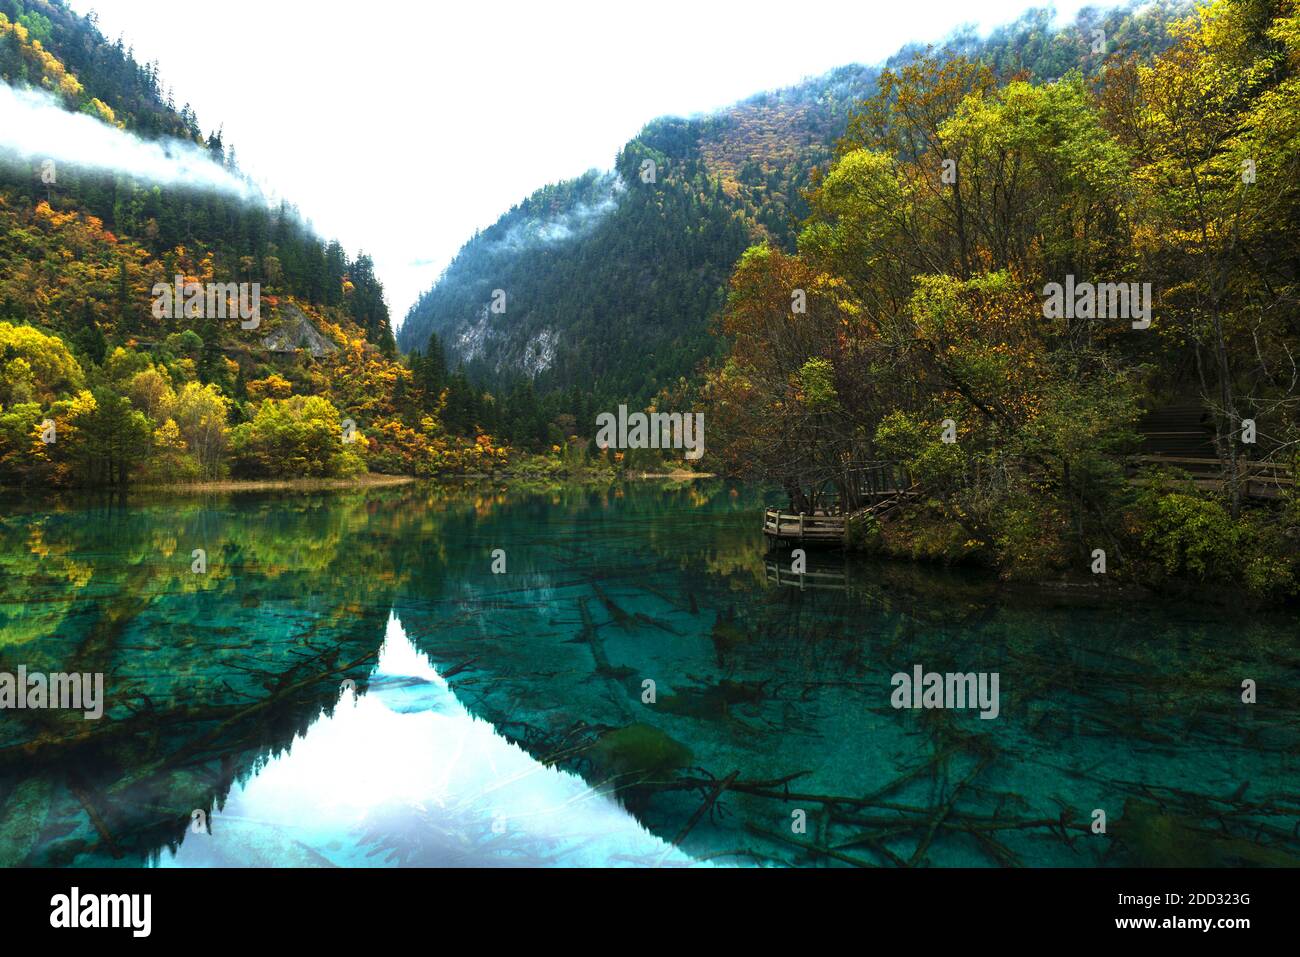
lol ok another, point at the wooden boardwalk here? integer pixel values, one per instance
(826, 527)
(1180, 435)
(1262, 480)
(1177, 435)
(819, 528)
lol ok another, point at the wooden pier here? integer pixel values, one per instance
(819, 528)
(828, 527)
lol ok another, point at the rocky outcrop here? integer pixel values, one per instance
(296, 332)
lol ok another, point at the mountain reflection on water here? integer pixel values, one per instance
(350, 684)
(405, 775)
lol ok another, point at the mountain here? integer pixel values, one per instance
(606, 284)
(47, 47)
(109, 197)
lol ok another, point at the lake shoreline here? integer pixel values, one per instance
(274, 485)
(371, 480)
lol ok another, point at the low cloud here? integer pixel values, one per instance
(574, 221)
(34, 127)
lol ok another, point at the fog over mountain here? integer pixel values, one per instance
(35, 127)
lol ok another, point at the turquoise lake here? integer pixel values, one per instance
(347, 681)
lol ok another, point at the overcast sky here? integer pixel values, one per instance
(400, 127)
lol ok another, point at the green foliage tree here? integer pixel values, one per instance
(113, 439)
(301, 436)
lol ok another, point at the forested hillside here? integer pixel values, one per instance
(100, 386)
(933, 337)
(609, 284)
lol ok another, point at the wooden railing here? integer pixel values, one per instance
(818, 526)
(876, 486)
(1258, 479)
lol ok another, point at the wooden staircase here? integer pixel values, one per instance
(1181, 435)
(1179, 430)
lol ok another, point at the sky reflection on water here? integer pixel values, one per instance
(403, 774)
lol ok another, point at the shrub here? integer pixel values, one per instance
(1196, 538)
(299, 437)
(1192, 537)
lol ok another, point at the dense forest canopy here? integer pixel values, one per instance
(958, 197)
